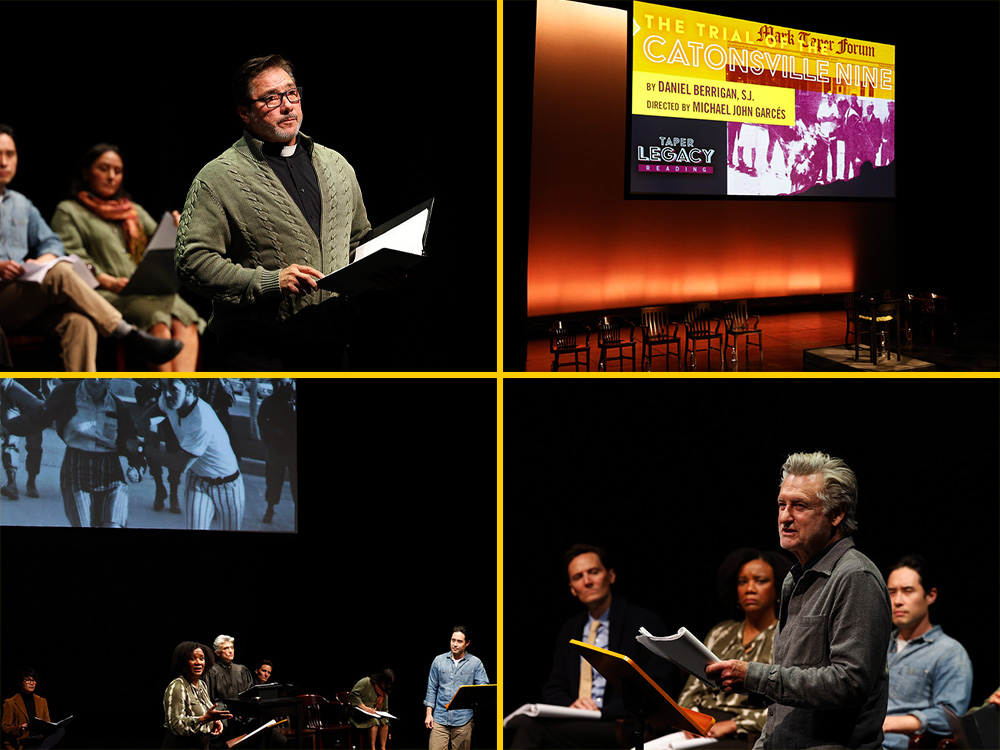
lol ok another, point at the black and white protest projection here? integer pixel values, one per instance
(173, 453)
(720, 106)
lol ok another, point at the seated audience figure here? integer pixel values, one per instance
(61, 303)
(107, 230)
(927, 669)
(756, 576)
(371, 694)
(190, 717)
(614, 622)
(19, 710)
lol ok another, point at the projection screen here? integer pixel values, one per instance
(727, 107)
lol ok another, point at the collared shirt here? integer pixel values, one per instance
(200, 433)
(828, 683)
(932, 669)
(294, 169)
(23, 232)
(94, 426)
(601, 639)
(445, 678)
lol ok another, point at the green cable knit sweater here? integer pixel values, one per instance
(239, 228)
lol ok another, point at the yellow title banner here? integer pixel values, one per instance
(704, 99)
(674, 42)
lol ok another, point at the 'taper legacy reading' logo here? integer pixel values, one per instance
(674, 155)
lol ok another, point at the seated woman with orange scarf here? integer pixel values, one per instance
(110, 232)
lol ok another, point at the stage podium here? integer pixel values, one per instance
(644, 699)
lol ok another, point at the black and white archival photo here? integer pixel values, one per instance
(178, 453)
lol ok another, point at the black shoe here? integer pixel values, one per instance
(269, 515)
(10, 490)
(31, 490)
(150, 348)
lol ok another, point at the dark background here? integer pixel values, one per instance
(404, 90)
(946, 219)
(395, 546)
(671, 476)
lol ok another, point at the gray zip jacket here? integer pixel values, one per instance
(829, 683)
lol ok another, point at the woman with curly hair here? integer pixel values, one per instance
(190, 717)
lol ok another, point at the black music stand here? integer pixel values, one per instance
(472, 697)
(261, 691)
(643, 698)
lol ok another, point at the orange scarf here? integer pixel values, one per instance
(123, 212)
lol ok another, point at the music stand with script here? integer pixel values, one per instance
(643, 698)
(472, 697)
(395, 246)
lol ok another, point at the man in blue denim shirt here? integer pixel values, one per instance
(449, 672)
(926, 667)
(61, 303)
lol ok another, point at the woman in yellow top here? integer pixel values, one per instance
(110, 232)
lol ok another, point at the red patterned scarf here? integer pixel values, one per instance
(123, 212)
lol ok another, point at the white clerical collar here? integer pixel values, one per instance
(287, 151)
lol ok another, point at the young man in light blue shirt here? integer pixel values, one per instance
(449, 671)
(926, 667)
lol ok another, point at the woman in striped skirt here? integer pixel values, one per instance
(98, 430)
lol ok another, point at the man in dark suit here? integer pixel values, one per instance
(609, 622)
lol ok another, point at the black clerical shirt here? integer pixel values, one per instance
(298, 176)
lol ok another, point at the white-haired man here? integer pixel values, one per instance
(828, 685)
(226, 679)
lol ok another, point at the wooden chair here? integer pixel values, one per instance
(849, 311)
(937, 316)
(699, 325)
(611, 336)
(324, 718)
(879, 318)
(657, 330)
(569, 337)
(739, 322)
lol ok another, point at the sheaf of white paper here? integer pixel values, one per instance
(407, 237)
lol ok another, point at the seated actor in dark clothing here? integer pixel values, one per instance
(18, 712)
(609, 622)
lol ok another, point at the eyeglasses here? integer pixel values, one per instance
(273, 101)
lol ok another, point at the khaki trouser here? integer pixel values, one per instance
(460, 737)
(62, 304)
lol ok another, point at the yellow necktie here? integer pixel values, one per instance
(586, 671)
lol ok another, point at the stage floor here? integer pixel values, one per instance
(786, 339)
(839, 359)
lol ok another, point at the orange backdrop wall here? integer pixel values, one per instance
(591, 249)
